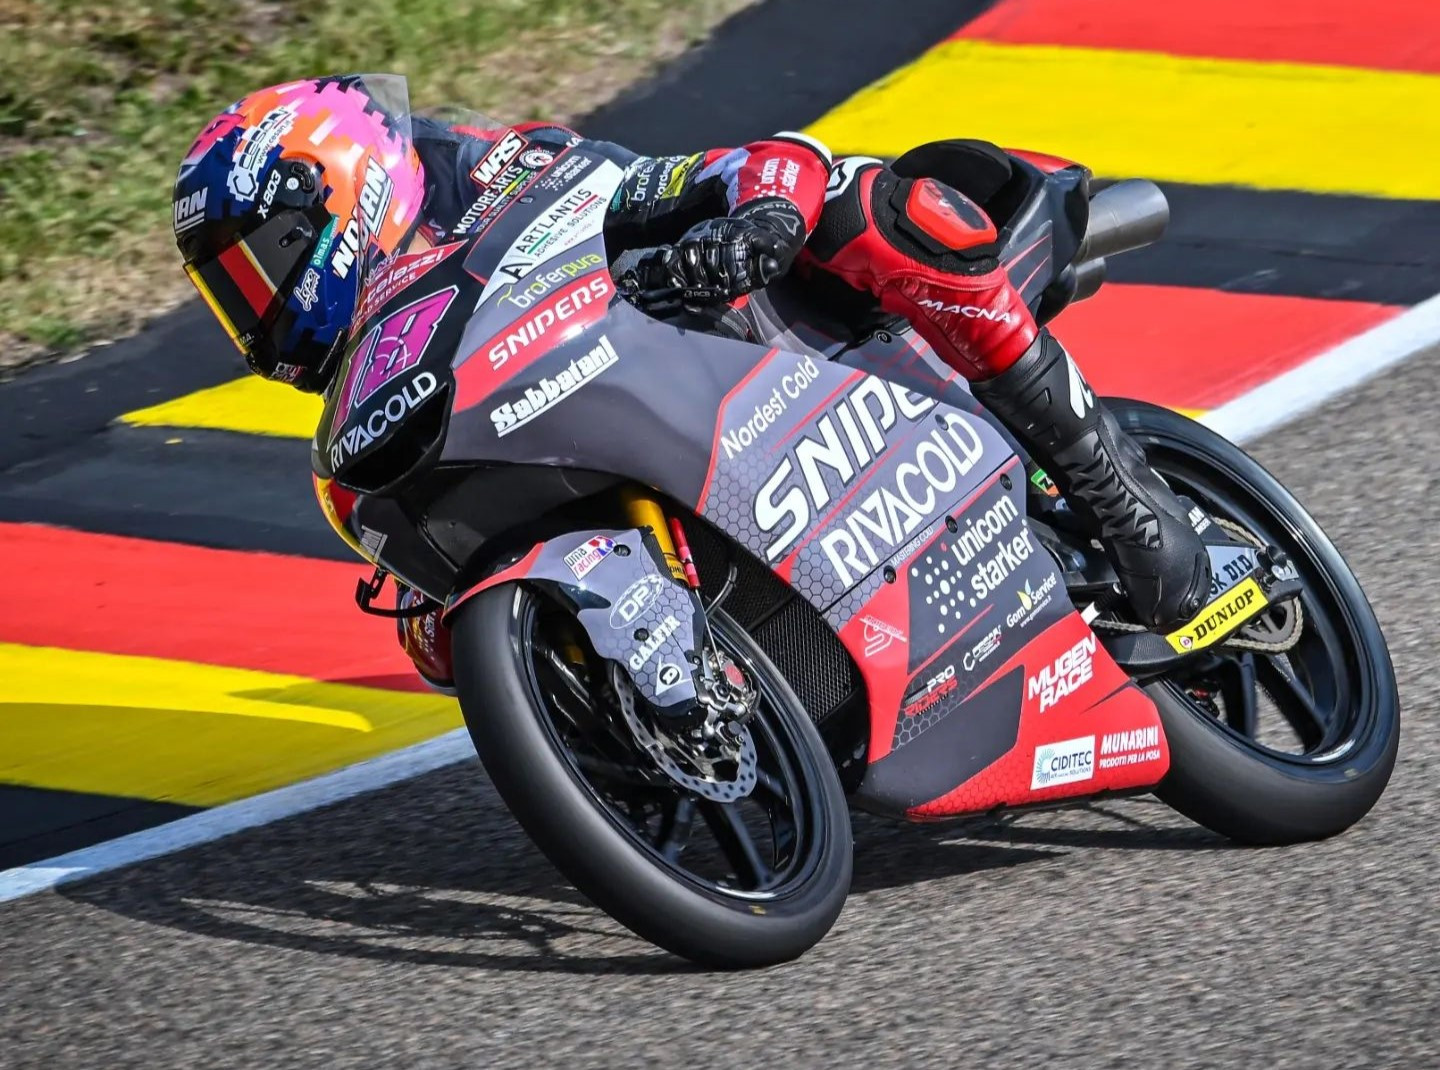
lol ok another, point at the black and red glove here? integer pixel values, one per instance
(714, 261)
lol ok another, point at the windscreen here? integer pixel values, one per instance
(463, 118)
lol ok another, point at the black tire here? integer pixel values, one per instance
(590, 843)
(1218, 777)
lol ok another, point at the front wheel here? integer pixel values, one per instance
(1290, 732)
(721, 880)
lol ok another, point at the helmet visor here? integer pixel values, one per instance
(246, 285)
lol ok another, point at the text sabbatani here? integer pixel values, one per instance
(550, 391)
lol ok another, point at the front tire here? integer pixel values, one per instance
(1336, 686)
(599, 846)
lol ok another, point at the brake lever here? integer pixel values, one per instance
(658, 303)
(624, 273)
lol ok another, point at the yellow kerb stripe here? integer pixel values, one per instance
(253, 405)
(172, 731)
(1269, 125)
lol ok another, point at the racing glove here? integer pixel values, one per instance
(713, 262)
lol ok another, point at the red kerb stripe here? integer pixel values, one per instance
(1396, 35)
(262, 611)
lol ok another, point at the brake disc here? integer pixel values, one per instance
(707, 787)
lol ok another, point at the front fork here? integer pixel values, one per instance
(643, 512)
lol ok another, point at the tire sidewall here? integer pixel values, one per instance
(580, 836)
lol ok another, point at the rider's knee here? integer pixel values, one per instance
(929, 253)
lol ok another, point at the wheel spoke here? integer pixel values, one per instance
(675, 827)
(1242, 707)
(771, 784)
(728, 826)
(612, 773)
(1294, 700)
(600, 732)
(776, 792)
(1327, 666)
(773, 797)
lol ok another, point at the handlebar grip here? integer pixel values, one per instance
(628, 260)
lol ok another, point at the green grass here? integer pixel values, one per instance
(99, 100)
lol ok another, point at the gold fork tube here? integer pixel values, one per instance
(644, 512)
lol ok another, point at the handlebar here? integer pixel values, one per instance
(627, 260)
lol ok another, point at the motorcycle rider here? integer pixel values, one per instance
(288, 200)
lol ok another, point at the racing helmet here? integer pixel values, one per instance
(285, 203)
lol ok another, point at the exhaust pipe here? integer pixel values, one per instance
(1128, 215)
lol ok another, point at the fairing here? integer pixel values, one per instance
(1043, 236)
(898, 516)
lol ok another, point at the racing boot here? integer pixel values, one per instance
(1046, 403)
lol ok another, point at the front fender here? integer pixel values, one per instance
(620, 589)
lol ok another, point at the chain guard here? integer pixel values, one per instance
(1262, 635)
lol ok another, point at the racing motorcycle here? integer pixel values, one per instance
(710, 580)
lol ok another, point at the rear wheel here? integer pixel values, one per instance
(726, 863)
(1291, 733)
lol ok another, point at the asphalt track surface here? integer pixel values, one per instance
(417, 926)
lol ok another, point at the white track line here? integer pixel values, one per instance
(1263, 409)
(237, 816)
(1321, 378)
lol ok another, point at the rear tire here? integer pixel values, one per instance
(1218, 777)
(1220, 784)
(589, 841)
